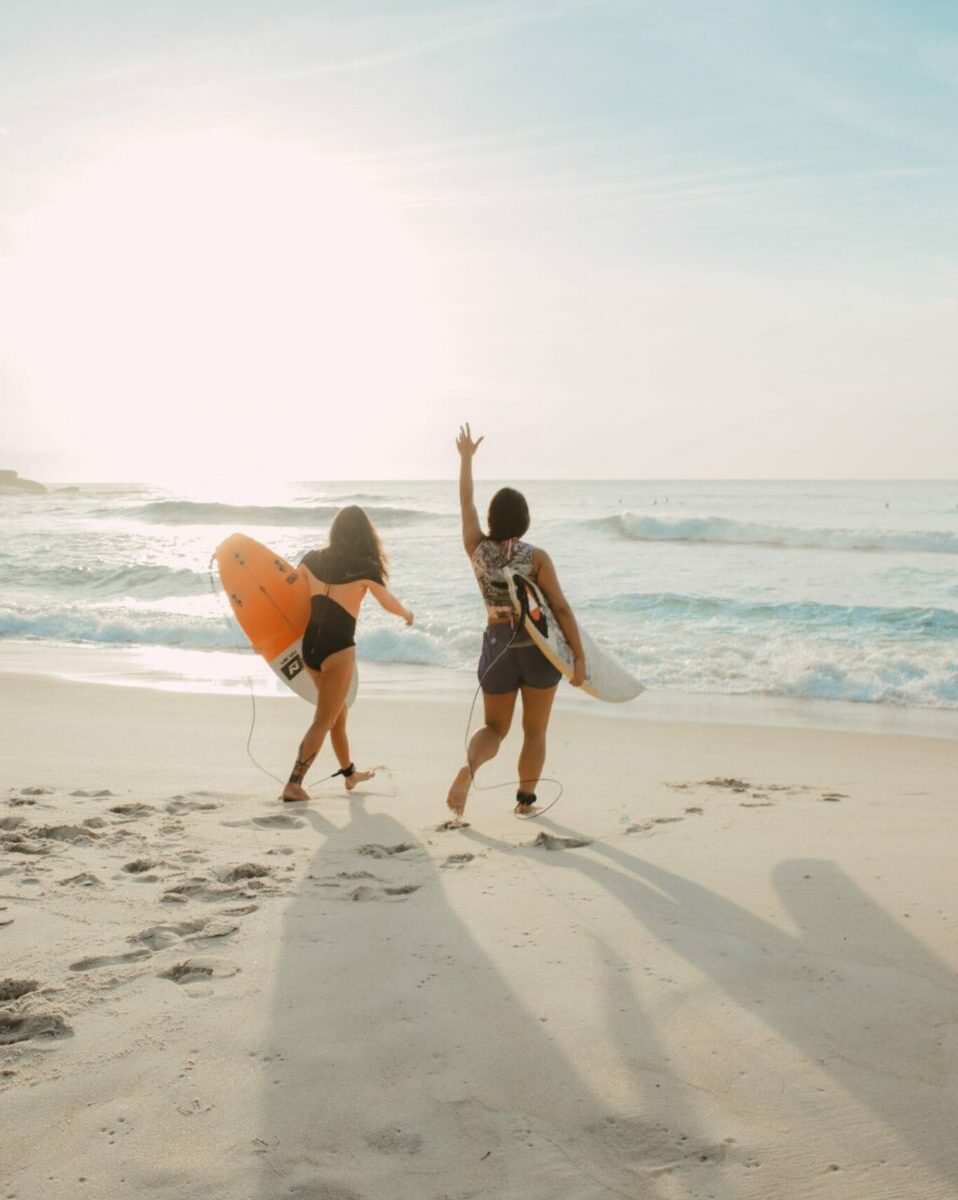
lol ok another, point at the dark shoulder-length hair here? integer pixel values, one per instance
(354, 540)
(508, 515)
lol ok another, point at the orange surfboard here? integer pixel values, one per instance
(270, 600)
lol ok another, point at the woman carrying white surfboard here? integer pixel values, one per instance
(339, 576)
(510, 662)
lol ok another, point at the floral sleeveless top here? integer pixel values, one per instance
(489, 561)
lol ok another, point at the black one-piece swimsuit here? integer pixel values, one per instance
(331, 627)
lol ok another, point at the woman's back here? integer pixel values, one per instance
(489, 562)
(343, 578)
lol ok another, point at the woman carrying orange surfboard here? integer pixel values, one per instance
(339, 576)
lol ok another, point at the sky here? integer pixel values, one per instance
(623, 238)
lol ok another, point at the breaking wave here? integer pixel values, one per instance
(722, 531)
(195, 512)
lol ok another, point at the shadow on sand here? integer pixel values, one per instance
(874, 1007)
(402, 1064)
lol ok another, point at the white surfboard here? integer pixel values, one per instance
(290, 669)
(606, 679)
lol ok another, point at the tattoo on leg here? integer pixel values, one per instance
(301, 766)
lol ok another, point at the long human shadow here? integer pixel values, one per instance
(846, 1019)
(401, 1063)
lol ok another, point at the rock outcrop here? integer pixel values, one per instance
(10, 481)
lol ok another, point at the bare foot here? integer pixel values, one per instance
(293, 791)
(357, 777)
(527, 810)
(458, 793)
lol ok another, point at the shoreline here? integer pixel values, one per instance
(228, 673)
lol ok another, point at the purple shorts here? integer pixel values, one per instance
(504, 670)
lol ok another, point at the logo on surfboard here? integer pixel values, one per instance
(291, 666)
(531, 606)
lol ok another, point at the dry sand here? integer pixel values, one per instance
(723, 965)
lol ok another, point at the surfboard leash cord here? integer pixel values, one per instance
(249, 681)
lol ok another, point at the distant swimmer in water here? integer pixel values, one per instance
(339, 576)
(510, 662)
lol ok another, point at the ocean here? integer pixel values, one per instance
(779, 593)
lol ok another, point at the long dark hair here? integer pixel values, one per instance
(508, 515)
(353, 539)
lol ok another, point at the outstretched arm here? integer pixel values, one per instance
(472, 533)
(390, 602)
(547, 579)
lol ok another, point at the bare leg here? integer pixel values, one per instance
(332, 683)
(536, 709)
(340, 744)
(483, 745)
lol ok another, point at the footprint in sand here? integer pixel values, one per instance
(84, 879)
(180, 804)
(391, 1140)
(13, 989)
(108, 960)
(366, 892)
(240, 871)
(133, 810)
(195, 970)
(138, 866)
(454, 823)
(376, 850)
(246, 880)
(77, 834)
(551, 841)
(323, 1189)
(214, 930)
(21, 838)
(15, 1027)
(200, 929)
(648, 1146)
(331, 880)
(728, 784)
(22, 843)
(457, 860)
(280, 821)
(159, 937)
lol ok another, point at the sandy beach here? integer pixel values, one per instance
(722, 966)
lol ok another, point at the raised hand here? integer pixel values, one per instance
(464, 443)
